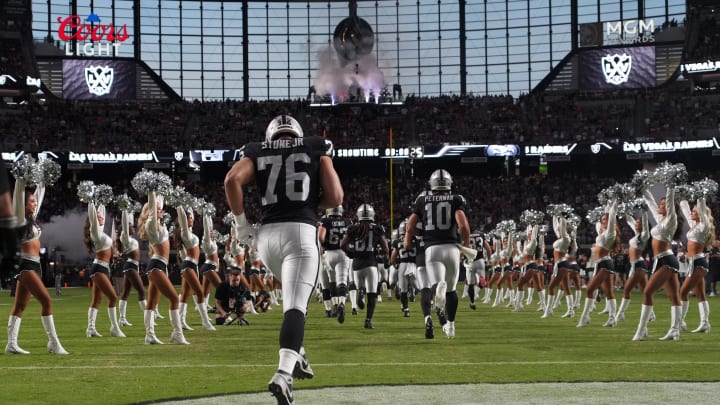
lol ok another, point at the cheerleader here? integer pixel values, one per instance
(573, 271)
(638, 274)
(700, 238)
(130, 249)
(153, 230)
(28, 281)
(505, 259)
(560, 269)
(529, 266)
(665, 264)
(495, 269)
(606, 243)
(188, 246)
(210, 269)
(98, 242)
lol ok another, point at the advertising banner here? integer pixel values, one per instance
(613, 68)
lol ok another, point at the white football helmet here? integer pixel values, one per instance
(402, 228)
(365, 213)
(335, 212)
(283, 124)
(440, 180)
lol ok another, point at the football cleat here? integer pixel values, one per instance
(281, 387)
(302, 368)
(429, 328)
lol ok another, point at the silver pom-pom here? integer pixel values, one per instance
(146, 181)
(595, 215)
(50, 171)
(86, 191)
(125, 203)
(705, 188)
(229, 218)
(532, 217)
(559, 210)
(103, 194)
(574, 220)
(685, 192)
(506, 226)
(618, 191)
(222, 239)
(166, 219)
(207, 208)
(175, 196)
(671, 174)
(641, 181)
(25, 170)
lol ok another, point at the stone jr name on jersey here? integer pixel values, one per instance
(283, 144)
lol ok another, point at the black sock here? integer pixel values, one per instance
(471, 293)
(404, 299)
(425, 300)
(292, 331)
(451, 305)
(371, 300)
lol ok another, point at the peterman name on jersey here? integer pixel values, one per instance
(287, 173)
(336, 228)
(437, 213)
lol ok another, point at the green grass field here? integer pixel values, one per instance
(492, 345)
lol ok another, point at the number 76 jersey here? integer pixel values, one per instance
(287, 173)
(437, 213)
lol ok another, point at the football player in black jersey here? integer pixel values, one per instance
(295, 177)
(404, 261)
(360, 243)
(443, 218)
(332, 230)
(476, 269)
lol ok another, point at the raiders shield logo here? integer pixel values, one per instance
(595, 148)
(99, 79)
(616, 68)
(179, 156)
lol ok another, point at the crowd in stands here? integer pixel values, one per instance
(531, 119)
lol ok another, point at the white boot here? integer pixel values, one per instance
(149, 320)
(606, 309)
(642, 330)
(182, 309)
(122, 307)
(498, 297)
(529, 300)
(611, 306)
(519, 300)
(704, 308)
(114, 327)
(684, 305)
(620, 315)
(488, 295)
(585, 317)
(13, 331)
(465, 292)
(157, 313)
(206, 324)
(511, 303)
(570, 307)
(541, 297)
(92, 316)
(207, 303)
(558, 299)
(674, 331)
(177, 334)
(54, 345)
(549, 306)
(578, 296)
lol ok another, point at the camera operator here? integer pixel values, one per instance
(232, 299)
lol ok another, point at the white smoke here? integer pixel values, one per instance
(65, 234)
(341, 81)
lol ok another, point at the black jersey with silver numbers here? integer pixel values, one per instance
(438, 217)
(419, 244)
(335, 229)
(363, 249)
(477, 242)
(403, 255)
(287, 173)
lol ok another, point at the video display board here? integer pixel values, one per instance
(613, 68)
(98, 79)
